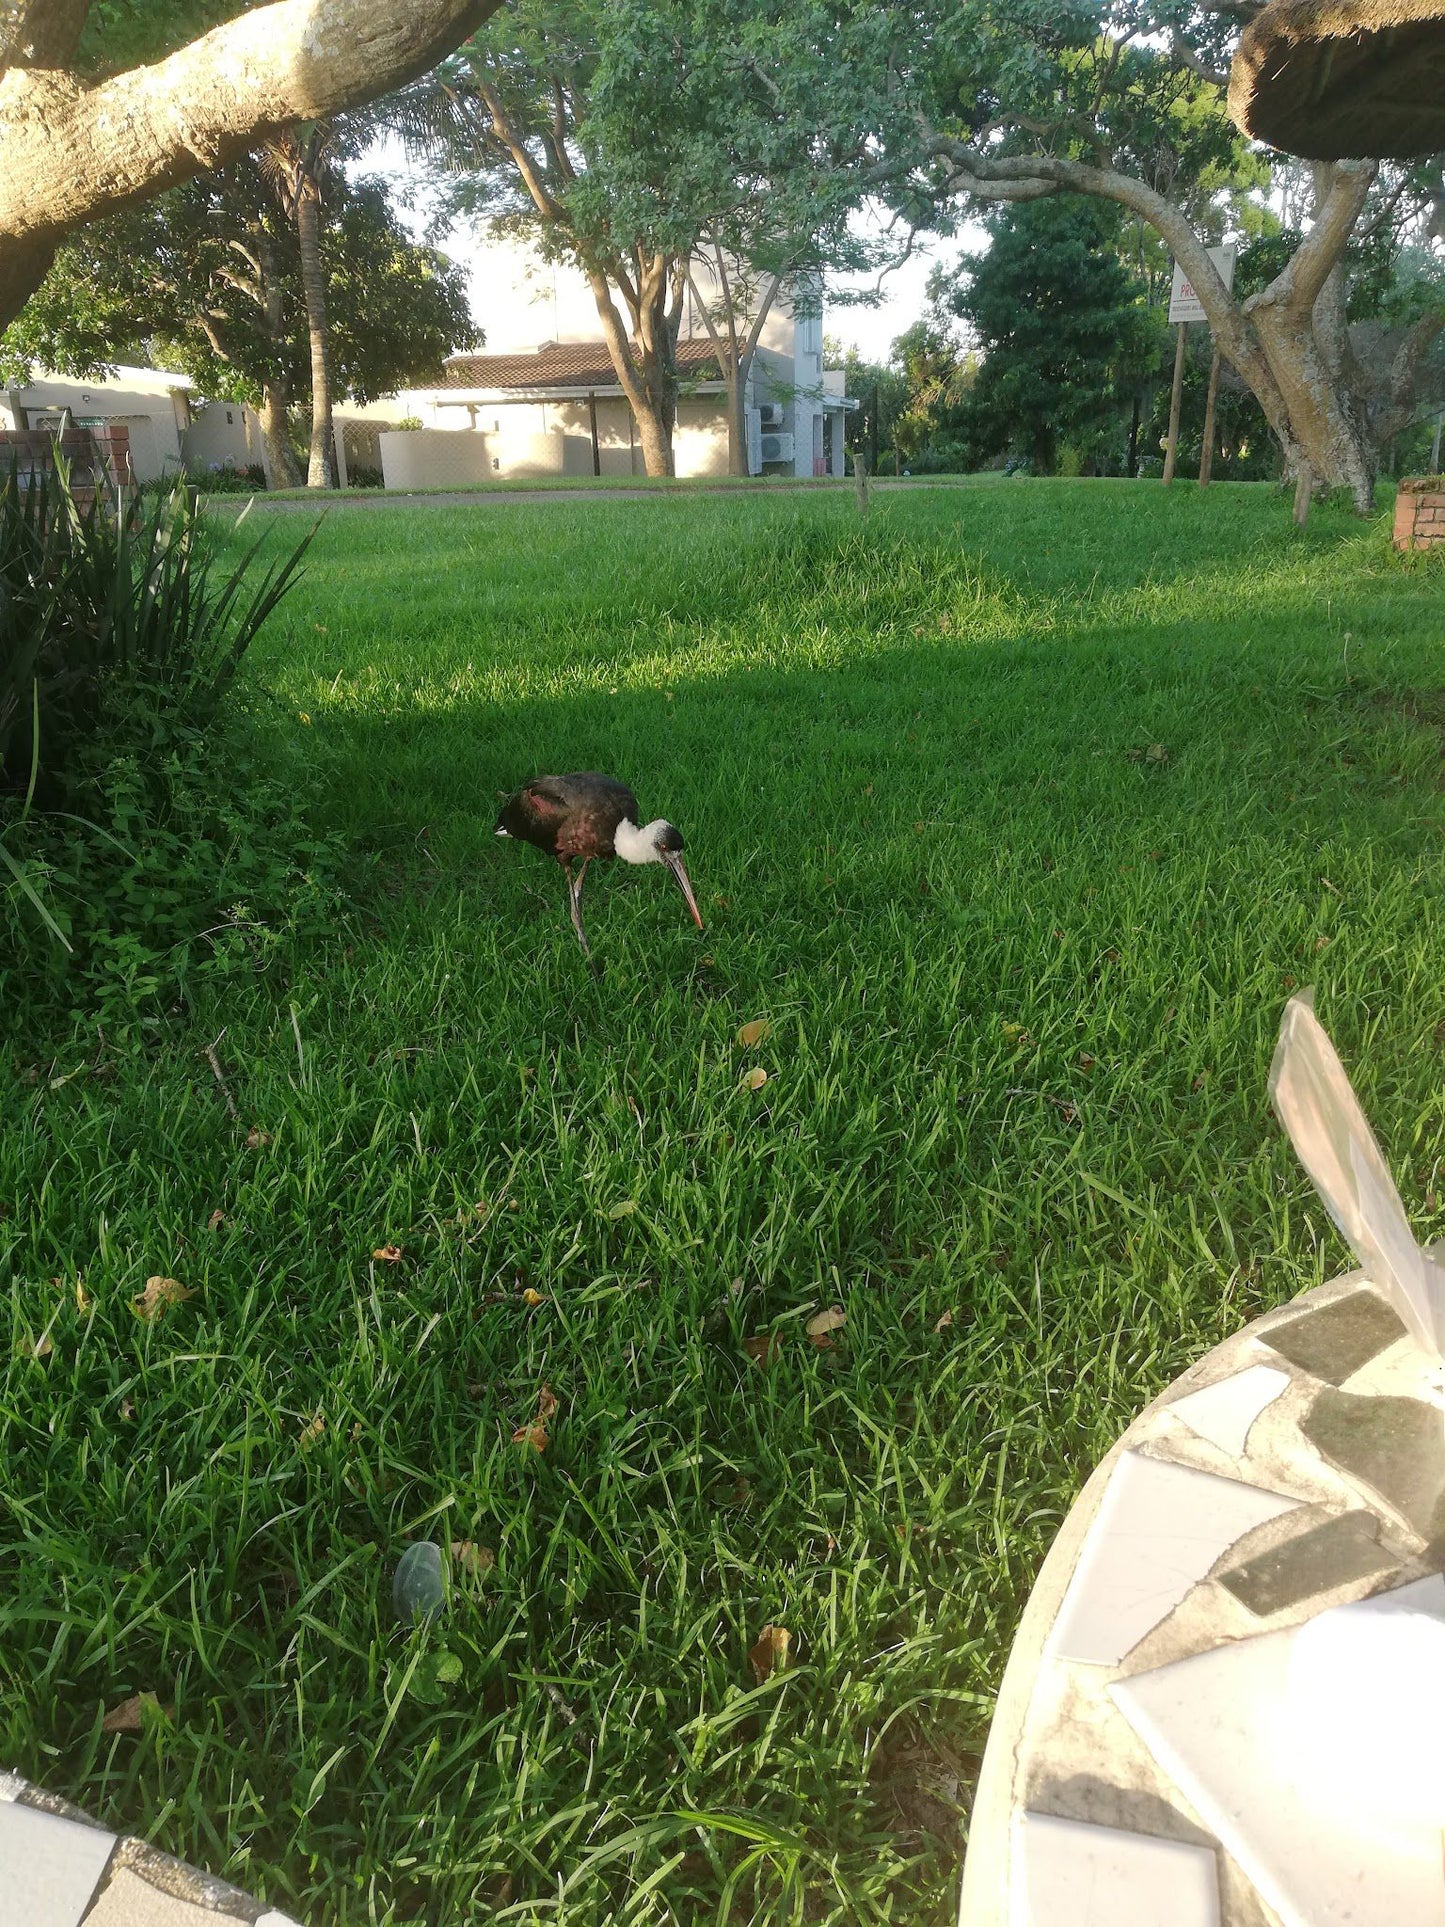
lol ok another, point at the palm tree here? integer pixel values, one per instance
(296, 161)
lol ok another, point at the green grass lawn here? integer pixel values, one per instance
(1016, 813)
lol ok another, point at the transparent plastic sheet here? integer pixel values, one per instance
(1317, 1106)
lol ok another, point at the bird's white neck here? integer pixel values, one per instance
(634, 845)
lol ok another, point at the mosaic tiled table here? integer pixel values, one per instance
(58, 1868)
(1225, 1706)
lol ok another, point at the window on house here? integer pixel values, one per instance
(230, 419)
(496, 461)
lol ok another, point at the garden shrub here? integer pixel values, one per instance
(138, 848)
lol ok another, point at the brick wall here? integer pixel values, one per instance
(99, 458)
(1419, 515)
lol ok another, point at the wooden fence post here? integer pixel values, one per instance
(1172, 448)
(1206, 454)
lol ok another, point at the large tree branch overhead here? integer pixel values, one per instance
(71, 151)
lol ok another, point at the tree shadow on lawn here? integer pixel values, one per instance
(951, 750)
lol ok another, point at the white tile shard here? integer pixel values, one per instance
(1159, 1529)
(49, 1866)
(1223, 1413)
(1317, 1106)
(1066, 1873)
(1313, 1754)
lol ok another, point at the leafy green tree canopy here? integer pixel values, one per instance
(1061, 323)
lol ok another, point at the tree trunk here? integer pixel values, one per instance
(737, 423)
(1287, 342)
(275, 430)
(70, 150)
(319, 473)
(647, 388)
(24, 264)
(1319, 431)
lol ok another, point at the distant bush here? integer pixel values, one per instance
(361, 476)
(223, 478)
(945, 458)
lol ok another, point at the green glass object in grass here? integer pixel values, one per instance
(419, 1590)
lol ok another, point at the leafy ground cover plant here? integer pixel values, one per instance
(120, 639)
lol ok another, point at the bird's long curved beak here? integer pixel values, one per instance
(679, 869)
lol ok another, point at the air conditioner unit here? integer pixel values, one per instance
(777, 448)
(771, 414)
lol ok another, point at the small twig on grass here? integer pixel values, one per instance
(554, 1694)
(215, 1063)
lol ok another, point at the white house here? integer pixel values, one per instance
(559, 409)
(169, 427)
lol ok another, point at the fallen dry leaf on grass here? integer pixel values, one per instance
(534, 1298)
(624, 1208)
(770, 1654)
(754, 1079)
(763, 1347)
(474, 1559)
(754, 1033)
(388, 1254)
(256, 1138)
(130, 1716)
(824, 1323)
(36, 1348)
(535, 1434)
(312, 1430)
(944, 1322)
(215, 1221)
(83, 1299)
(159, 1294)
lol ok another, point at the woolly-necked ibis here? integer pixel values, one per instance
(585, 816)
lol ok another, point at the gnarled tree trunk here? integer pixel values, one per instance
(276, 432)
(71, 149)
(1287, 342)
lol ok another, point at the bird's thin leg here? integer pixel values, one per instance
(574, 894)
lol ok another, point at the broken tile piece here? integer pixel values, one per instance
(1159, 1529)
(1334, 1553)
(1334, 1340)
(1224, 1412)
(1069, 1874)
(49, 1867)
(129, 1901)
(1312, 1755)
(1395, 1447)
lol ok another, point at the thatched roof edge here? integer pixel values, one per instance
(1299, 28)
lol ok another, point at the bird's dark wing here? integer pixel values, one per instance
(532, 816)
(569, 815)
(589, 790)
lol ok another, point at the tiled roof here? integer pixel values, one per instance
(568, 364)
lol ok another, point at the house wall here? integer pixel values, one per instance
(149, 402)
(223, 434)
(433, 458)
(540, 438)
(700, 438)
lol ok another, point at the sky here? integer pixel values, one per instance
(520, 300)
